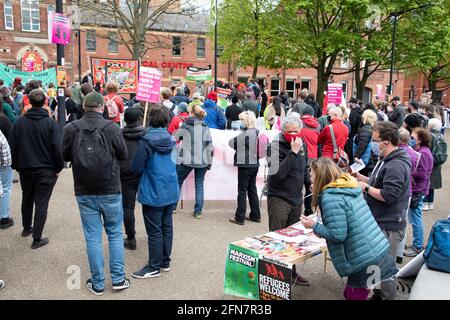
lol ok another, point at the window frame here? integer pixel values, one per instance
(26, 7)
(174, 46)
(277, 91)
(201, 48)
(113, 40)
(10, 16)
(94, 40)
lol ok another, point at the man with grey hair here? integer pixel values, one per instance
(250, 104)
(288, 171)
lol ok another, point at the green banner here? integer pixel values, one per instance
(241, 273)
(8, 75)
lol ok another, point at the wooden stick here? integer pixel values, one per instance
(145, 113)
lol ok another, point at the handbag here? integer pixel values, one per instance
(415, 200)
(339, 155)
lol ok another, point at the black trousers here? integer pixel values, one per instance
(37, 188)
(129, 190)
(247, 185)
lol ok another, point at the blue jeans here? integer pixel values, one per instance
(96, 211)
(6, 178)
(415, 218)
(159, 226)
(183, 173)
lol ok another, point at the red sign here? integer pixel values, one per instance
(124, 72)
(32, 61)
(167, 64)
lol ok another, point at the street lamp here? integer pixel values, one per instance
(395, 16)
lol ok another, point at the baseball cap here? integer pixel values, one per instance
(93, 100)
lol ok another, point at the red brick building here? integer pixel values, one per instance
(184, 42)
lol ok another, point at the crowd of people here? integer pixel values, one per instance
(311, 169)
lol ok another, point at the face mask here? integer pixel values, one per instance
(412, 143)
(290, 137)
(329, 119)
(376, 149)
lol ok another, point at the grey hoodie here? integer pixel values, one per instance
(392, 175)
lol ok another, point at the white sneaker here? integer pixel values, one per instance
(425, 206)
(2, 284)
(430, 206)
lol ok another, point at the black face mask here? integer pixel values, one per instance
(329, 119)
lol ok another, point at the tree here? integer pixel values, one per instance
(323, 32)
(242, 31)
(426, 46)
(132, 21)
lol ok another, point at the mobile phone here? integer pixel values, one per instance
(357, 166)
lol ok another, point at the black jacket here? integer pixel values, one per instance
(355, 119)
(397, 116)
(5, 125)
(362, 140)
(132, 134)
(392, 175)
(35, 139)
(232, 114)
(110, 183)
(315, 106)
(246, 147)
(287, 171)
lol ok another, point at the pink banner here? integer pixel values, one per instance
(334, 93)
(61, 29)
(380, 92)
(149, 85)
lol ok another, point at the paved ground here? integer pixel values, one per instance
(198, 255)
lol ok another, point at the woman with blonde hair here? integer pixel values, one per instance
(113, 102)
(362, 142)
(246, 159)
(354, 239)
(196, 152)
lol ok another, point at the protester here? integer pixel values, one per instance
(387, 192)
(420, 187)
(355, 117)
(414, 157)
(73, 109)
(132, 135)
(379, 106)
(158, 191)
(246, 159)
(325, 119)
(362, 145)
(196, 153)
(96, 178)
(340, 132)
(275, 114)
(396, 112)
(35, 140)
(215, 118)
(180, 97)
(250, 104)
(180, 118)
(311, 101)
(5, 95)
(6, 180)
(18, 98)
(5, 123)
(288, 171)
(310, 135)
(232, 114)
(166, 96)
(352, 249)
(88, 78)
(113, 102)
(439, 150)
(264, 101)
(98, 87)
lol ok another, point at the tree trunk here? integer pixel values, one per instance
(432, 85)
(322, 84)
(255, 69)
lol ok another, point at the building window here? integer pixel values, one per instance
(176, 46)
(113, 45)
(30, 16)
(9, 18)
(344, 89)
(91, 40)
(290, 87)
(305, 84)
(201, 47)
(274, 87)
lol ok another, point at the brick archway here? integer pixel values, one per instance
(23, 50)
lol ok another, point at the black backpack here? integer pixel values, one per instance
(93, 159)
